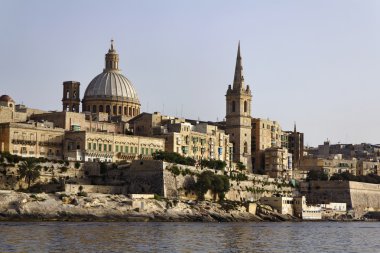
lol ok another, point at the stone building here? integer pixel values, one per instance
(12, 112)
(332, 165)
(110, 147)
(71, 96)
(31, 139)
(94, 122)
(111, 91)
(198, 140)
(238, 115)
(294, 142)
(265, 134)
(368, 167)
(278, 163)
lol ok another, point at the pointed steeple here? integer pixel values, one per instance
(112, 59)
(238, 77)
(295, 127)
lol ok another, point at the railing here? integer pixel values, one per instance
(24, 142)
(49, 144)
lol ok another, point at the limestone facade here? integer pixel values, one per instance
(71, 96)
(199, 140)
(110, 147)
(368, 167)
(278, 163)
(31, 140)
(265, 134)
(238, 116)
(329, 165)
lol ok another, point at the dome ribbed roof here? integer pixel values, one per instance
(111, 85)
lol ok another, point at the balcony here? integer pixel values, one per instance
(49, 144)
(23, 142)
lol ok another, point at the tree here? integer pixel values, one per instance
(317, 175)
(203, 184)
(29, 171)
(218, 184)
(77, 165)
(240, 166)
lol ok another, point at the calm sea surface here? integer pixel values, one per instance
(189, 237)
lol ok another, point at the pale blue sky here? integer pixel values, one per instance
(313, 62)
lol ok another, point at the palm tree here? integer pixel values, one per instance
(29, 171)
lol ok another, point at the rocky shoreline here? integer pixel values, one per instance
(19, 206)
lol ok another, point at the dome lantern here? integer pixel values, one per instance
(111, 91)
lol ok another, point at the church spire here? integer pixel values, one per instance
(238, 77)
(112, 59)
(295, 127)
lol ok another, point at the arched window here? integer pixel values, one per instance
(130, 111)
(114, 110)
(133, 112)
(94, 108)
(108, 109)
(125, 110)
(120, 110)
(233, 106)
(245, 106)
(75, 94)
(101, 108)
(245, 147)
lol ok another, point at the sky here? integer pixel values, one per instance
(316, 63)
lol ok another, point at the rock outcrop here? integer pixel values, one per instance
(107, 207)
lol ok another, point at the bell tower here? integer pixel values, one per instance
(70, 99)
(238, 116)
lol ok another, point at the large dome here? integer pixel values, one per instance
(110, 91)
(111, 85)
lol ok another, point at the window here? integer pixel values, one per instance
(108, 109)
(94, 146)
(126, 149)
(100, 147)
(109, 147)
(94, 108)
(119, 109)
(146, 151)
(101, 108)
(105, 147)
(67, 94)
(114, 109)
(117, 148)
(89, 145)
(233, 106)
(135, 150)
(75, 94)
(245, 106)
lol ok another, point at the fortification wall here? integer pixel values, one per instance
(358, 196)
(145, 176)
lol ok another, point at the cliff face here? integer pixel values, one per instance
(60, 206)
